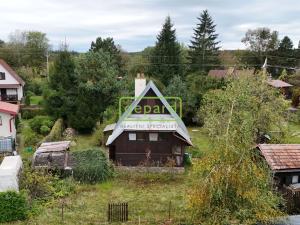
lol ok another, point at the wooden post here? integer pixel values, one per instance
(170, 210)
(62, 210)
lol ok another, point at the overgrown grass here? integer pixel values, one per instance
(36, 100)
(83, 141)
(294, 136)
(199, 140)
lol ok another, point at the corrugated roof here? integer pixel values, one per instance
(9, 108)
(12, 72)
(279, 83)
(57, 146)
(281, 156)
(180, 128)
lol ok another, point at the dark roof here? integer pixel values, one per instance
(12, 72)
(9, 108)
(281, 156)
(279, 83)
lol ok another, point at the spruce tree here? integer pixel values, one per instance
(166, 60)
(204, 45)
(286, 55)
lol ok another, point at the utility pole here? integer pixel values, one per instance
(47, 58)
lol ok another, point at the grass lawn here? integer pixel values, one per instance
(294, 136)
(35, 100)
(199, 140)
(83, 141)
(148, 198)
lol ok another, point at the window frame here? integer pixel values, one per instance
(155, 139)
(296, 177)
(2, 75)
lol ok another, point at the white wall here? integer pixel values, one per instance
(4, 128)
(9, 79)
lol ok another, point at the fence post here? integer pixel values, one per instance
(170, 210)
(62, 210)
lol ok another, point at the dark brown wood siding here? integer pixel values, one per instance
(132, 153)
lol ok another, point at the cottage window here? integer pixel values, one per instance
(140, 137)
(153, 136)
(295, 179)
(132, 136)
(176, 150)
(2, 76)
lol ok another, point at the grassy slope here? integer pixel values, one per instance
(148, 200)
(35, 100)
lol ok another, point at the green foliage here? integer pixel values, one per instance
(28, 113)
(38, 184)
(97, 85)
(204, 49)
(165, 59)
(41, 124)
(27, 98)
(13, 206)
(92, 166)
(29, 136)
(109, 47)
(56, 131)
(229, 186)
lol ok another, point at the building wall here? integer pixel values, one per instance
(132, 153)
(5, 127)
(9, 79)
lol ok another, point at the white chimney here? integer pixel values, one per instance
(140, 85)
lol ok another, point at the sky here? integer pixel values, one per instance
(134, 24)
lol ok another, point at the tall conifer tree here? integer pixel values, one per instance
(165, 60)
(204, 47)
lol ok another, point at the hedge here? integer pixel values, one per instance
(13, 206)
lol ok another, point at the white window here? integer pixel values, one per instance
(153, 136)
(295, 179)
(132, 136)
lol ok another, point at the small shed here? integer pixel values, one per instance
(10, 169)
(284, 87)
(52, 155)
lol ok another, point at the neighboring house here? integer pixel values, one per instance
(11, 84)
(155, 137)
(8, 113)
(284, 161)
(284, 87)
(227, 73)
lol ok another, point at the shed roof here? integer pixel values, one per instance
(180, 128)
(109, 127)
(57, 146)
(281, 156)
(217, 73)
(279, 83)
(9, 108)
(12, 72)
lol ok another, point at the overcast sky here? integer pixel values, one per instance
(134, 24)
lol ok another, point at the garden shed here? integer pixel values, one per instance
(10, 169)
(53, 155)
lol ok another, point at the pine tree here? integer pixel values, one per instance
(204, 45)
(286, 55)
(166, 60)
(286, 44)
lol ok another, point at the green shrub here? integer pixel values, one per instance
(37, 122)
(92, 166)
(64, 187)
(30, 137)
(44, 130)
(32, 112)
(56, 131)
(38, 184)
(13, 206)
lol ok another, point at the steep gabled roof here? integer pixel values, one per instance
(12, 72)
(180, 128)
(9, 108)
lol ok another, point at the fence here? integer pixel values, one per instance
(117, 212)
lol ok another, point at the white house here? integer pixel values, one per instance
(11, 84)
(8, 113)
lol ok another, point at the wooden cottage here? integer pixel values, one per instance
(284, 87)
(149, 132)
(284, 161)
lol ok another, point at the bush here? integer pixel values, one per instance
(13, 206)
(31, 113)
(56, 131)
(38, 184)
(40, 121)
(92, 166)
(30, 137)
(44, 130)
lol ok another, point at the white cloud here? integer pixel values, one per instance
(134, 24)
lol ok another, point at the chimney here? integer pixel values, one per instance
(140, 84)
